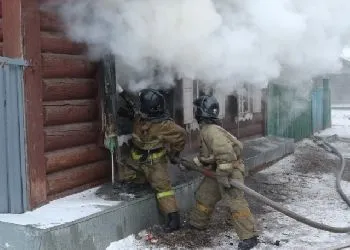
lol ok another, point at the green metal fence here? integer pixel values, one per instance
(327, 120)
(288, 114)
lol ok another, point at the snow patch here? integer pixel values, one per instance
(310, 194)
(128, 243)
(61, 211)
(340, 124)
(314, 196)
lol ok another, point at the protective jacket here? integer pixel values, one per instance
(151, 141)
(222, 152)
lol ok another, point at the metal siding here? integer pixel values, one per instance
(13, 193)
(287, 114)
(317, 109)
(327, 121)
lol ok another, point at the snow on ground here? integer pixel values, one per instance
(61, 211)
(309, 194)
(312, 195)
(340, 123)
(304, 183)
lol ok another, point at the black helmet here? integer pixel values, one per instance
(152, 103)
(207, 107)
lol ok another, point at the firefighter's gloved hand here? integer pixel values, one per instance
(182, 168)
(223, 172)
(223, 178)
(174, 157)
(187, 164)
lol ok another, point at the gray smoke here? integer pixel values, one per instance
(221, 42)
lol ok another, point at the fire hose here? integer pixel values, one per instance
(273, 204)
(279, 207)
(328, 147)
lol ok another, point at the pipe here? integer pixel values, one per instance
(274, 205)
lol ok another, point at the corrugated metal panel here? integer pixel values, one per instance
(327, 120)
(317, 109)
(13, 193)
(288, 115)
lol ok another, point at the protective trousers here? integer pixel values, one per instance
(156, 174)
(210, 192)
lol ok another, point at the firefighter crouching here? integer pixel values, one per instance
(220, 151)
(153, 131)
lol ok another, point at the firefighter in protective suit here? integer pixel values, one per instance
(221, 152)
(155, 138)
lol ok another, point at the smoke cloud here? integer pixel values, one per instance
(221, 42)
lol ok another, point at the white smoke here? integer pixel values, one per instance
(220, 42)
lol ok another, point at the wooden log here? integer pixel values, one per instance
(50, 22)
(67, 66)
(67, 158)
(72, 111)
(77, 189)
(59, 44)
(68, 89)
(1, 31)
(71, 135)
(64, 180)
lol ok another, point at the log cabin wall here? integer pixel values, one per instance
(71, 123)
(73, 160)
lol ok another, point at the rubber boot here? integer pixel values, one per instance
(248, 243)
(173, 222)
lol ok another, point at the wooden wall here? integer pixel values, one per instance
(70, 106)
(65, 104)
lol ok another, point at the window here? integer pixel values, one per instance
(249, 101)
(244, 105)
(188, 90)
(192, 89)
(221, 97)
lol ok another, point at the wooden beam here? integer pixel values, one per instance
(21, 31)
(75, 177)
(59, 44)
(68, 89)
(1, 31)
(71, 135)
(73, 111)
(72, 66)
(67, 158)
(77, 189)
(12, 29)
(50, 22)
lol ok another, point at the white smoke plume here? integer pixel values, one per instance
(220, 42)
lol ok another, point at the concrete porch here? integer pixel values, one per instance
(113, 219)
